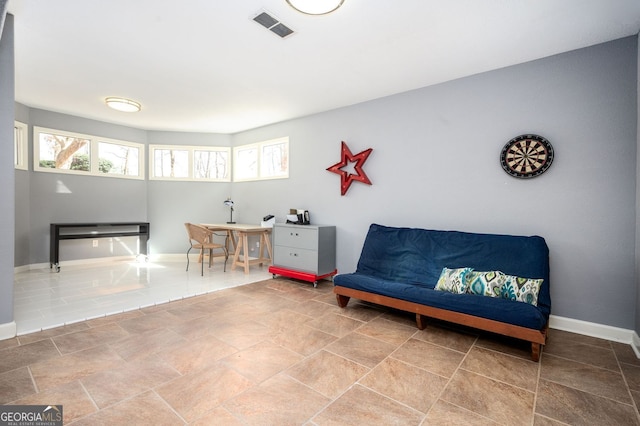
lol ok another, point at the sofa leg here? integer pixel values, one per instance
(421, 321)
(535, 351)
(342, 300)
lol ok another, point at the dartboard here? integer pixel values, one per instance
(526, 156)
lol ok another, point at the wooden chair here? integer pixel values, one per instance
(201, 238)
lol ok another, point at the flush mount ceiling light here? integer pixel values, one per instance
(315, 7)
(121, 104)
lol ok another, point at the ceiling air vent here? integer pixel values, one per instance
(272, 24)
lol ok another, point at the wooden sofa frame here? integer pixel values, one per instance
(536, 337)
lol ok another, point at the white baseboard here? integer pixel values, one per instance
(8, 330)
(635, 344)
(167, 257)
(175, 257)
(93, 261)
(592, 329)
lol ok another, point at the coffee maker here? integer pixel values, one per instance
(299, 217)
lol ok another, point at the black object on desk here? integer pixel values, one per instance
(101, 230)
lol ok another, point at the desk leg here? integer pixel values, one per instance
(241, 246)
(231, 237)
(265, 243)
(245, 254)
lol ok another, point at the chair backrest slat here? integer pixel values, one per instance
(197, 233)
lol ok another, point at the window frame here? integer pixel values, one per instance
(259, 146)
(94, 160)
(191, 150)
(20, 145)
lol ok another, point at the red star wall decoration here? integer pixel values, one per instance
(346, 178)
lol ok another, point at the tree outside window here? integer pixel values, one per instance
(170, 163)
(189, 163)
(263, 160)
(118, 159)
(64, 152)
(211, 164)
(275, 160)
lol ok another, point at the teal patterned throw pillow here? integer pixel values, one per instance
(486, 283)
(522, 289)
(453, 280)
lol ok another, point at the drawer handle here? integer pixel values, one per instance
(293, 254)
(293, 233)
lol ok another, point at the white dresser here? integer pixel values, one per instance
(305, 252)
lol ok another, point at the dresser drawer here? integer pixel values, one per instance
(298, 236)
(295, 258)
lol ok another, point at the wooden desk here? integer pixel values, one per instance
(241, 243)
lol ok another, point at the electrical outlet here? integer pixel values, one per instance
(95, 243)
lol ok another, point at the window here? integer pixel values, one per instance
(246, 162)
(119, 159)
(20, 150)
(191, 163)
(264, 160)
(66, 152)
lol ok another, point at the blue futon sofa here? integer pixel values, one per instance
(400, 267)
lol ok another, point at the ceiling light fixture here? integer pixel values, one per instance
(315, 7)
(121, 104)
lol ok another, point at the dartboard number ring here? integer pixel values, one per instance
(526, 156)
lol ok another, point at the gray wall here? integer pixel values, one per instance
(434, 165)
(6, 168)
(44, 198)
(22, 227)
(637, 252)
(57, 197)
(171, 204)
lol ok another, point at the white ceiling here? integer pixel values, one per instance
(205, 66)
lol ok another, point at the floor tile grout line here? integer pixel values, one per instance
(449, 379)
(535, 395)
(33, 379)
(516, 357)
(422, 414)
(626, 382)
(84, 389)
(494, 379)
(390, 356)
(327, 405)
(588, 392)
(171, 408)
(416, 366)
(586, 363)
(552, 419)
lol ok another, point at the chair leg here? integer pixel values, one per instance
(188, 258)
(202, 263)
(226, 257)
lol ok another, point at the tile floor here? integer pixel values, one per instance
(45, 299)
(280, 352)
